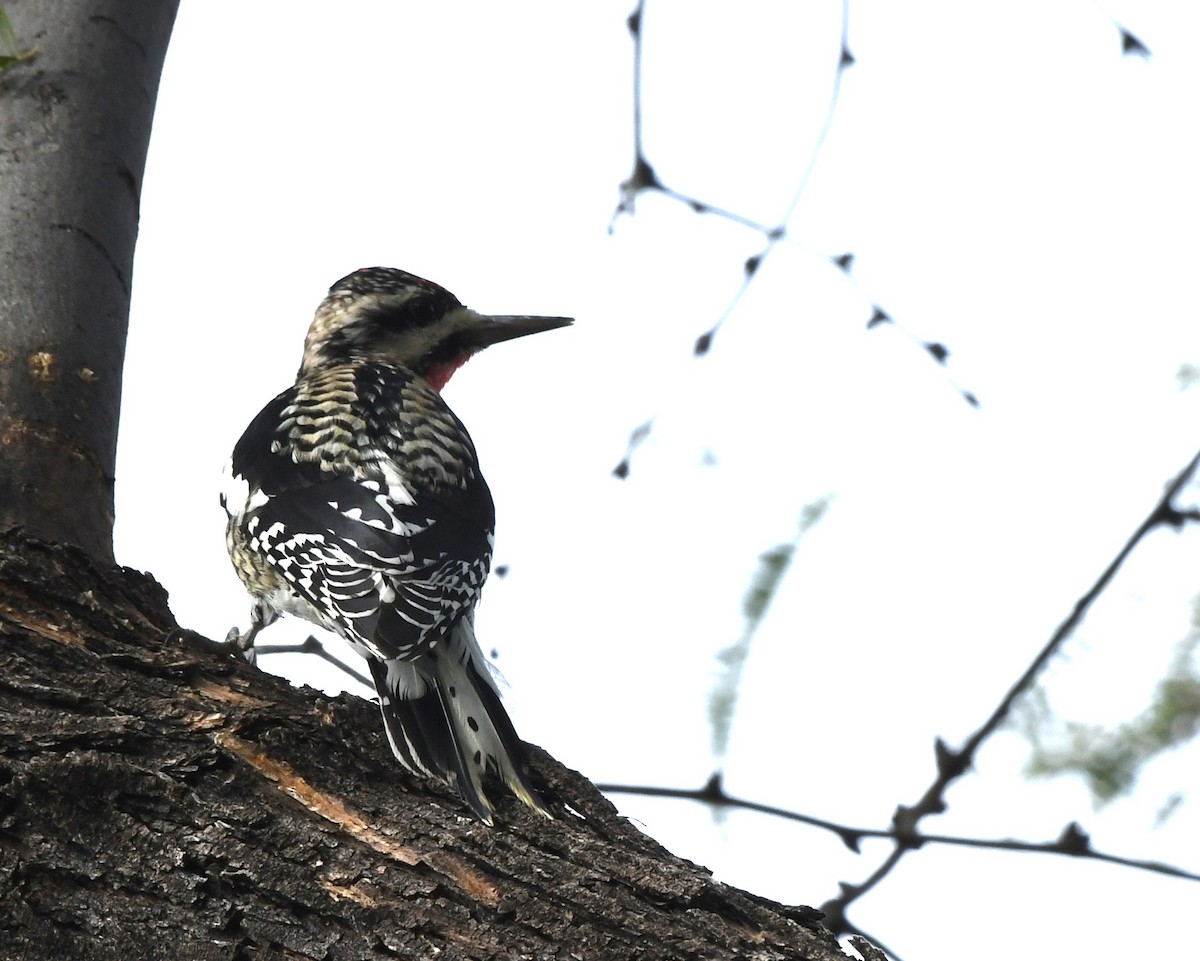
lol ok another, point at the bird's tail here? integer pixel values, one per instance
(444, 720)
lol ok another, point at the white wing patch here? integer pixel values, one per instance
(237, 496)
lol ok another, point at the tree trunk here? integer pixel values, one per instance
(162, 799)
(74, 125)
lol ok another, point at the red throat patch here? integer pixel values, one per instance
(440, 373)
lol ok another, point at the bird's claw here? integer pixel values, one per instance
(243, 644)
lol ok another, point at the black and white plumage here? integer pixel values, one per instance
(356, 502)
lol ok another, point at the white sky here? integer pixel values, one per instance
(1010, 185)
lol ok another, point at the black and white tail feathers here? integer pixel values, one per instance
(444, 720)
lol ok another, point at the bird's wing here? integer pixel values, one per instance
(389, 539)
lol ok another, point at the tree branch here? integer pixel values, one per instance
(952, 764)
(162, 799)
(643, 177)
(1073, 842)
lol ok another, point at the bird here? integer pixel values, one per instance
(355, 501)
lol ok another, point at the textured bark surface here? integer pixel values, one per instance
(159, 798)
(74, 128)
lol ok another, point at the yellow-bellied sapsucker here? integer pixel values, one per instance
(356, 502)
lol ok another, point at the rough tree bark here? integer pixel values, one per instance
(74, 127)
(162, 799)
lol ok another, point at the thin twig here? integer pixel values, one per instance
(953, 764)
(1071, 843)
(777, 234)
(311, 645)
(643, 177)
(858, 935)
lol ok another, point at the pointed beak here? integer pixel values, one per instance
(491, 329)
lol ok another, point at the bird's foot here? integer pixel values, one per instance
(242, 644)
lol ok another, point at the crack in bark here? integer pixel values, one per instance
(100, 249)
(335, 811)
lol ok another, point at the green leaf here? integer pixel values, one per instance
(8, 40)
(771, 567)
(8, 43)
(764, 585)
(1110, 759)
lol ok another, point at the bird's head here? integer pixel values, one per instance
(385, 315)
